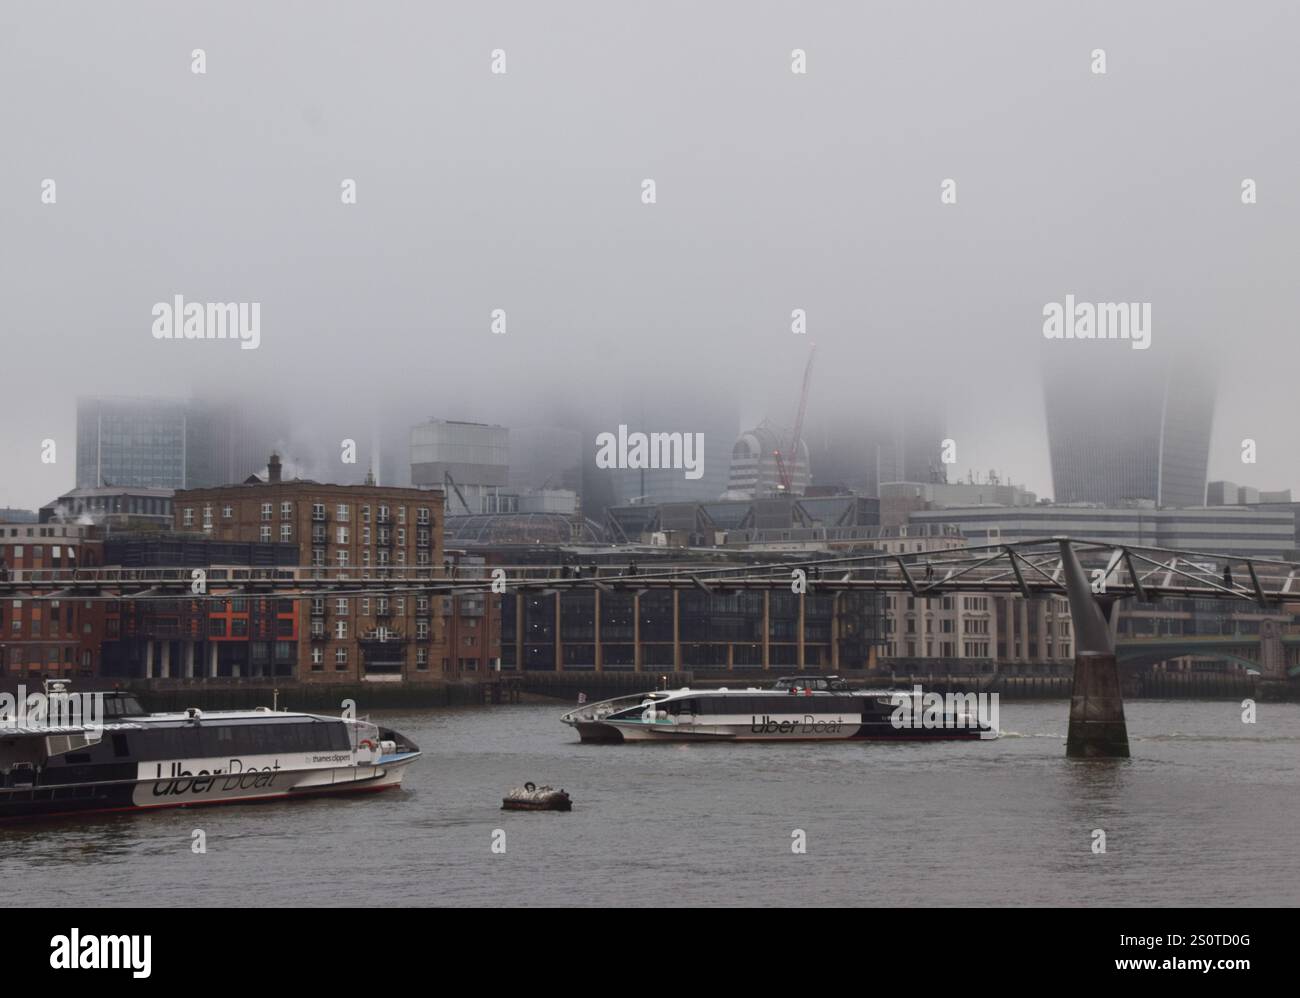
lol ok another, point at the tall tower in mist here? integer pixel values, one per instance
(890, 439)
(1131, 429)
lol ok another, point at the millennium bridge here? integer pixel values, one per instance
(1093, 575)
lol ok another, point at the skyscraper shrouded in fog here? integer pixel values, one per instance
(131, 442)
(890, 439)
(161, 443)
(1136, 427)
(688, 404)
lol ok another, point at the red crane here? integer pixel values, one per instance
(784, 470)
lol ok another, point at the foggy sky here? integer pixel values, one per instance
(522, 192)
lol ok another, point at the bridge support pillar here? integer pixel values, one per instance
(1097, 727)
(1272, 683)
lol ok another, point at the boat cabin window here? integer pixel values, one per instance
(834, 684)
(236, 740)
(119, 705)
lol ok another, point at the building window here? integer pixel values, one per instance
(187, 518)
(422, 659)
(317, 660)
(318, 511)
(265, 533)
(401, 514)
(340, 658)
(422, 515)
(286, 531)
(266, 511)
(342, 512)
(227, 512)
(342, 535)
(286, 510)
(318, 557)
(365, 514)
(341, 606)
(341, 630)
(343, 559)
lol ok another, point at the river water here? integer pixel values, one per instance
(1203, 814)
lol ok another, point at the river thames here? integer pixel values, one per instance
(1202, 814)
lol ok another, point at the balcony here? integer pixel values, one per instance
(381, 636)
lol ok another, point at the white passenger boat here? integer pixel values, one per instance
(795, 708)
(128, 759)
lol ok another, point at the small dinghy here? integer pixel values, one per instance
(531, 797)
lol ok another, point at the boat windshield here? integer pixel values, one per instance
(118, 704)
(830, 683)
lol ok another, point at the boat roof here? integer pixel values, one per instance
(9, 729)
(765, 690)
(14, 729)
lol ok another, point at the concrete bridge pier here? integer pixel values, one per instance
(1097, 726)
(1273, 683)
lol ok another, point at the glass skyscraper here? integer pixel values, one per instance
(159, 443)
(131, 443)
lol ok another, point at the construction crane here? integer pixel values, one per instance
(785, 470)
(448, 480)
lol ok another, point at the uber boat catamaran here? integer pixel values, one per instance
(128, 759)
(793, 709)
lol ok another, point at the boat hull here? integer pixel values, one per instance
(59, 800)
(596, 731)
(649, 731)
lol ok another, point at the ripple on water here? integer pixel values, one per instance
(1008, 821)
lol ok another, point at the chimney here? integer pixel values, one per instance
(273, 468)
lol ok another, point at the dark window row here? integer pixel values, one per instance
(746, 705)
(199, 741)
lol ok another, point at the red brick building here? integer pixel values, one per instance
(366, 531)
(472, 620)
(49, 638)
